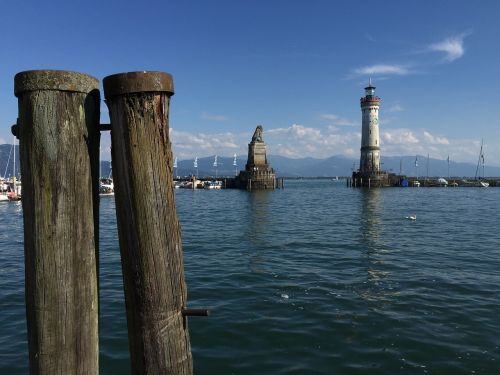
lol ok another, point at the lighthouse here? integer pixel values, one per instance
(370, 172)
(370, 136)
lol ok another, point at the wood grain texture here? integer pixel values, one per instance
(149, 231)
(59, 148)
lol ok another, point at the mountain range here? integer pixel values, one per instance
(305, 167)
(337, 166)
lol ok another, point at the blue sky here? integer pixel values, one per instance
(296, 67)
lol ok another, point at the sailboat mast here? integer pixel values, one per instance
(427, 167)
(479, 162)
(14, 171)
(482, 160)
(100, 167)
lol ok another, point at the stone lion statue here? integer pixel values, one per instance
(257, 136)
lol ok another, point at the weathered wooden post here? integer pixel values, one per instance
(59, 147)
(150, 238)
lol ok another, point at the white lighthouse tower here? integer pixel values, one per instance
(369, 163)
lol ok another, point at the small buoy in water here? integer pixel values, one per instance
(285, 296)
(412, 217)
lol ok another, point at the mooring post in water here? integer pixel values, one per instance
(59, 147)
(149, 231)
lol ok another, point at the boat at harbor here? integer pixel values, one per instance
(11, 190)
(198, 184)
(213, 184)
(478, 179)
(106, 187)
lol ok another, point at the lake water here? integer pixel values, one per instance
(316, 278)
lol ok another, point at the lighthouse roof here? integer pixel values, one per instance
(370, 86)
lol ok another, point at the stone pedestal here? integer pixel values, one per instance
(258, 174)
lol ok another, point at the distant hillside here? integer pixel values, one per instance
(435, 167)
(336, 166)
(7, 170)
(305, 167)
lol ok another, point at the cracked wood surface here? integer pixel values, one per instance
(149, 232)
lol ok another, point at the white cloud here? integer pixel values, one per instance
(370, 38)
(338, 121)
(452, 47)
(213, 117)
(383, 69)
(435, 140)
(394, 108)
(300, 141)
(403, 137)
(187, 145)
(297, 141)
(396, 142)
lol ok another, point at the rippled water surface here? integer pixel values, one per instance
(315, 278)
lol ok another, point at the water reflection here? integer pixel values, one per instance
(258, 218)
(370, 217)
(378, 283)
(257, 229)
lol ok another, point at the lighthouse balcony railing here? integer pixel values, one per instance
(370, 99)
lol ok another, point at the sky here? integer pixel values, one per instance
(298, 68)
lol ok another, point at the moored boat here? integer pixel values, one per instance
(213, 184)
(478, 180)
(106, 187)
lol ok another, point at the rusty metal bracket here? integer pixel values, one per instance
(193, 312)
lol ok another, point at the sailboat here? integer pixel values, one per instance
(215, 166)
(480, 163)
(215, 184)
(13, 188)
(106, 185)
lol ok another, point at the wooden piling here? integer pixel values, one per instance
(59, 148)
(149, 231)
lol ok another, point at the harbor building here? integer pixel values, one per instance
(258, 173)
(370, 172)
